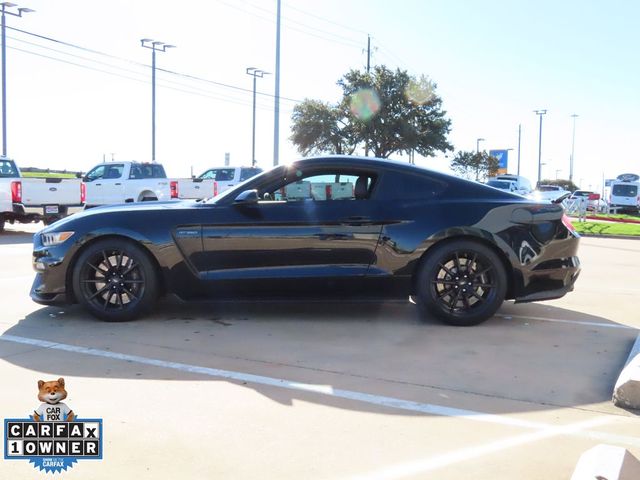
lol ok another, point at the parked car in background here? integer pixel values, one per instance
(227, 177)
(506, 185)
(511, 183)
(26, 200)
(373, 227)
(549, 193)
(126, 182)
(592, 199)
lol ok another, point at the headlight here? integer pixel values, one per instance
(55, 238)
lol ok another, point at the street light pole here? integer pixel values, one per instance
(573, 145)
(478, 144)
(519, 138)
(255, 73)
(20, 11)
(155, 46)
(540, 113)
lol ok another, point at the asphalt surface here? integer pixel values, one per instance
(321, 390)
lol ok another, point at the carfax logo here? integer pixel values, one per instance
(53, 438)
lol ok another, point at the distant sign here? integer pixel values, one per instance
(628, 177)
(503, 160)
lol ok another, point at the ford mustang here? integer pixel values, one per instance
(333, 225)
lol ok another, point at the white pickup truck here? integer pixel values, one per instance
(26, 200)
(227, 177)
(125, 182)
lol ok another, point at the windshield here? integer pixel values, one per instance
(622, 190)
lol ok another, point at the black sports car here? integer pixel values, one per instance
(338, 225)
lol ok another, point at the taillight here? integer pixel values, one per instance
(566, 221)
(83, 193)
(215, 188)
(174, 189)
(16, 192)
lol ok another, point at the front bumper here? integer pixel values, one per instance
(38, 294)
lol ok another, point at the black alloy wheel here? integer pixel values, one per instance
(462, 282)
(115, 280)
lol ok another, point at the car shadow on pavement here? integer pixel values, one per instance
(546, 358)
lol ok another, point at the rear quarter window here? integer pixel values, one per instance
(410, 186)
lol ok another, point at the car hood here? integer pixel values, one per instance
(122, 209)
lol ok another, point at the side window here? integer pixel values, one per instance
(410, 186)
(113, 171)
(326, 186)
(135, 172)
(7, 169)
(157, 171)
(246, 173)
(219, 174)
(96, 173)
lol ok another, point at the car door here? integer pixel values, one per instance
(314, 226)
(104, 184)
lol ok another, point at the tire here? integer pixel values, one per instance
(115, 280)
(461, 282)
(1, 223)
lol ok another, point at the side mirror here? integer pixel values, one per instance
(248, 197)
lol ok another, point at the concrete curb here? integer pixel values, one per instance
(615, 237)
(626, 392)
(607, 462)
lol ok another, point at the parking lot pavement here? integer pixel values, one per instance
(333, 390)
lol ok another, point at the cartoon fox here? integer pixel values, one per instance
(52, 410)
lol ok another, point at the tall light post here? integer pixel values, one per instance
(540, 113)
(573, 145)
(519, 139)
(155, 46)
(478, 144)
(255, 73)
(17, 13)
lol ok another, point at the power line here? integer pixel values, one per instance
(140, 64)
(193, 91)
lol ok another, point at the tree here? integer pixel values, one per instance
(475, 165)
(384, 112)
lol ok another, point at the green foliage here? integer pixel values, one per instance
(474, 165)
(565, 184)
(383, 112)
(596, 228)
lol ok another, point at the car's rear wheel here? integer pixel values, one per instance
(462, 282)
(115, 280)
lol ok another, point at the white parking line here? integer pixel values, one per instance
(573, 322)
(417, 467)
(378, 400)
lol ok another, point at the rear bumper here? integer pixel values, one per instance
(552, 283)
(39, 210)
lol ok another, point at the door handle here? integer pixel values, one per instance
(118, 184)
(98, 184)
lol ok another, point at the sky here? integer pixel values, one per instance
(79, 83)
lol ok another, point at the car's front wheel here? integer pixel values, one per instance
(462, 282)
(115, 280)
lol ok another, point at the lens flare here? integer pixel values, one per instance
(419, 91)
(365, 104)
